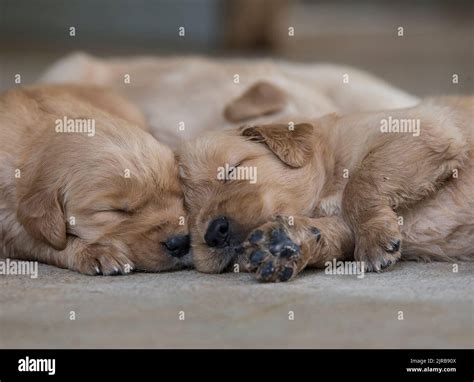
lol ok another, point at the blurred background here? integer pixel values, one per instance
(417, 45)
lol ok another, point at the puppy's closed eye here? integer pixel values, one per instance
(230, 173)
(119, 210)
(123, 211)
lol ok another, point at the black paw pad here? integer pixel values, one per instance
(289, 250)
(281, 245)
(278, 235)
(285, 274)
(256, 236)
(257, 257)
(267, 271)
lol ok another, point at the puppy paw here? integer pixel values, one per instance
(378, 248)
(277, 251)
(101, 260)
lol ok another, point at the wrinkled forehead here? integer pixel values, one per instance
(114, 191)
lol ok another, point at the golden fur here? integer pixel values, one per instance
(202, 93)
(94, 204)
(341, 186)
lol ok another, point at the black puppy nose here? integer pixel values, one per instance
(217, 232)
(177, 246)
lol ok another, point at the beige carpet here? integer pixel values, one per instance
(233, 311)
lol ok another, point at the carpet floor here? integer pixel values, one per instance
(234, 311)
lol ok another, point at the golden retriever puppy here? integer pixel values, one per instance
(375, 186)
(84, 187)
(184, 96)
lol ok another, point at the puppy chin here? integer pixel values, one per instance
(213, 260)
(176, 264)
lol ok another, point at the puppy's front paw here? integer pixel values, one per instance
(100, 260)
(278, 251)
(378, 246)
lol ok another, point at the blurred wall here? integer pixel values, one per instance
(438, 39)
(113, 25)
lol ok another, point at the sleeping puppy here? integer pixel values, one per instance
(186, 95)
(84, 187)
(375, 186)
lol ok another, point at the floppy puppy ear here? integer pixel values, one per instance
(260, 99)
(41, 214)
(293, 146)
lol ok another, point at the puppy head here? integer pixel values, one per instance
(235, 180)
(118, 188)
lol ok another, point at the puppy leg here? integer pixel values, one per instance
(281, 248)
(399, 170)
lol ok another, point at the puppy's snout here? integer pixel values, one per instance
(177, 246)
(218, 231)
